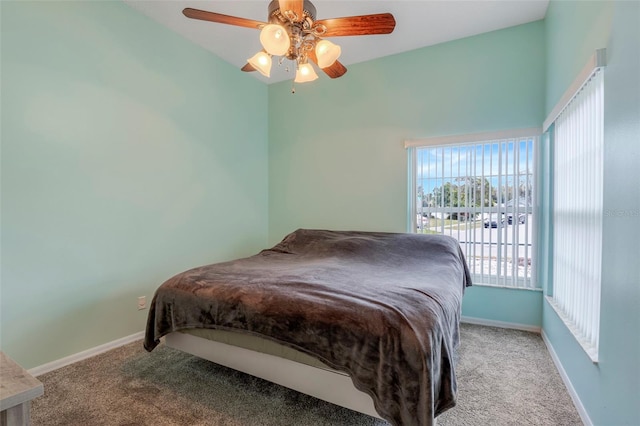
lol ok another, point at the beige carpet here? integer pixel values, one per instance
(505, 377)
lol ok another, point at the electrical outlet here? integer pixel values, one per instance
(142, 302)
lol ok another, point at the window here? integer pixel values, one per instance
(577, 213)
(480, 190)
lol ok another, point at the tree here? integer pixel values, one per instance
(478, 191)
(463, 192)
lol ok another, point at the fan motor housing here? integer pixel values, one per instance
(275, 15)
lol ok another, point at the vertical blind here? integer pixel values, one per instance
(577, 212)
(482, 194)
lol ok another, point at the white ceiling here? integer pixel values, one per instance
(418, 24)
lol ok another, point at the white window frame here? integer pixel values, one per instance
(499, 280)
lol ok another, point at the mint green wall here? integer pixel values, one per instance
(521, 308)
(128, 155)
(609, 391)
(336, 155)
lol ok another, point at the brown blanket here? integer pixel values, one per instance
(383, 307)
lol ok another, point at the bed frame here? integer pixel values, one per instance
(329, 385)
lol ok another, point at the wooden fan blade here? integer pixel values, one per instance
(294, 6)
(334, 70)
(203, 15)
(381, 23)
(248, 67)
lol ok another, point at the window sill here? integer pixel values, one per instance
(480, 284)
(590, 350)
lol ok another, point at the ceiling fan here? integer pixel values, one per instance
(292, 32)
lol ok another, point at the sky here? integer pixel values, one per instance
(495, 160)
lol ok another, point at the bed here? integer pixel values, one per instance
(366, 320)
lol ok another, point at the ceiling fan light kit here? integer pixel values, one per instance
(327, 53)
(275, 40)
(261, 62)
(305, 73)
(292, 32)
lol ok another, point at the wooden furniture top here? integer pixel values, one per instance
(16, 384)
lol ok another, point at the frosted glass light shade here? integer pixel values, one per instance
(327, 53)
(274, 39)
(305, 73)
(261, 61)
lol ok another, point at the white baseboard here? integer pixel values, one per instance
(501, 324)
(54, 365)
(565, 378)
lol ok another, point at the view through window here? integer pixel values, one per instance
(481, 193)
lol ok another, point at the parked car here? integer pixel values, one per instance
(493, 221)
(522, 218)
